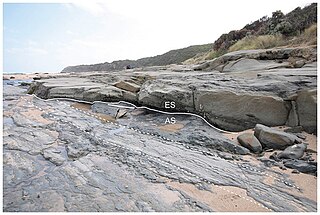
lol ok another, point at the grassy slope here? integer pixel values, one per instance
(296, 28)
(308, 37)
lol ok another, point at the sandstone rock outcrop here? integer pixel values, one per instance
(131, 87)
(59, 158)
(252, 86)
(307, 109)
(245, 60)
(238, 110)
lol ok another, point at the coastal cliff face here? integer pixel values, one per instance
(234, 92)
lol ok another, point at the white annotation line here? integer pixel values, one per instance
(115, 104)
(188, 172)
(162, 162)
(240, 166)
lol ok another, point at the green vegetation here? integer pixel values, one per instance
(308, 37)
(172, 57)
(297, 28)
(279, 26)
(175, 56)
(258, 42)
(214, 54)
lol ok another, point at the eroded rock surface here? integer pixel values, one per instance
(69, 156)
(234, 92)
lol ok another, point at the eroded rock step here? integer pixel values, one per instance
(235, 91)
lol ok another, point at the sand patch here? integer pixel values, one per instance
(171, 127)
(253, 160)
(307, 183)
(312, 144)
(219, 199)
(137, 112)
(82, 106)
(268, 180)
(87, 108)
(232, 137)
(35, 115)
(8, 113)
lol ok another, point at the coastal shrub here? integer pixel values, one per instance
(214, 54)
(291, 24)
(285, 28)
(258, 42)
(310, 35)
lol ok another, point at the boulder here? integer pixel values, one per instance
(250, 142)
(301, 166)
(299, 63)
(131, 87)
(273, 138)
(307, 110)
(293, 152)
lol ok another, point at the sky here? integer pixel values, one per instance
(46, 37)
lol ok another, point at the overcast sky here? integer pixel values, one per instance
(43, 37)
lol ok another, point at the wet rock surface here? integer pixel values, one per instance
(69, 156)
(302, 166)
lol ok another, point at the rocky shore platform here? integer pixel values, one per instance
(81, 142)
